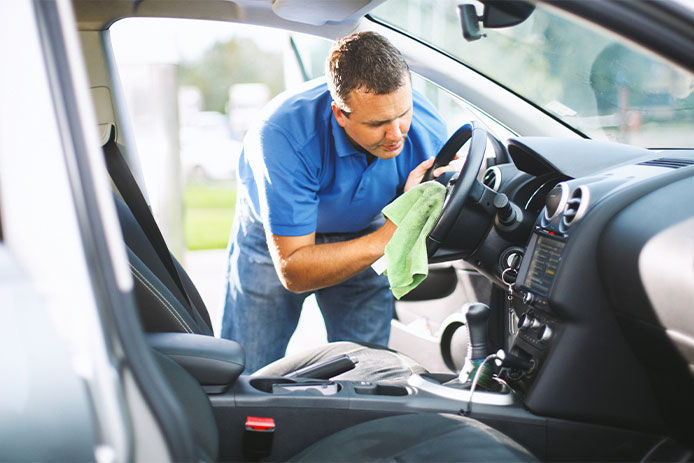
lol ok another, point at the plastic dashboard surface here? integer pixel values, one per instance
(571, 157)
(574, 283)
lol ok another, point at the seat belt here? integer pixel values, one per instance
(132, 195)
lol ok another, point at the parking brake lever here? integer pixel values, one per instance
(326, 369)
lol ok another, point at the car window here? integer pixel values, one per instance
(310, 52)
(602, 86)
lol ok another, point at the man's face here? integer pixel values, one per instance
(378, 123)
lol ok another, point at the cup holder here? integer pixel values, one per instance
(368, 388)
(281, 386)
(382, 389)
(265, 384)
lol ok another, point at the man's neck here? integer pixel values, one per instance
(369, 157)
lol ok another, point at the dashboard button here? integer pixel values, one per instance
(544, 334)
(528, 298)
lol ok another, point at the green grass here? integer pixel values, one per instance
(208, 215)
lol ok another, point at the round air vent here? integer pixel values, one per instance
(492, 178)
(576, 206)
(556, 201)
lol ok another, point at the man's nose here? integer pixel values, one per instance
(393, 131)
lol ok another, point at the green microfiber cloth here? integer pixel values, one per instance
(415, 214)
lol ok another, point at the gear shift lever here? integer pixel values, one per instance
(477, 317)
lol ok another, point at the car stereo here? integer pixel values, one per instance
(537, 273)
(538, 327)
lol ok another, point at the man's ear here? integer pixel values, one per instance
(340, 117)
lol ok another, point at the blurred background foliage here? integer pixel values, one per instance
(234, 61)
(209, 214)
(209, 204)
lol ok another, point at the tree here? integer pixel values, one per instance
(235, 61)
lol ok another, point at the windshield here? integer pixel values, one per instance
(587, 78)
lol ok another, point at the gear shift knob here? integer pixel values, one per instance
(477, 316)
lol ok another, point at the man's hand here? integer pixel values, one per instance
(417, 174)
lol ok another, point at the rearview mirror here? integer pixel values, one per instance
(469, 21)
(505, 13)
(496, 14)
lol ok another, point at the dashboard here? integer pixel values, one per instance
(604, 282)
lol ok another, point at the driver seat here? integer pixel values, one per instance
(168, 301)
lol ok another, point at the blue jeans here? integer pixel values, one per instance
(261, 315)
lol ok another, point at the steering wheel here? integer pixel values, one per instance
(463, 184)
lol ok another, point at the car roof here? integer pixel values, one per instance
(311, 16)
(663, 27)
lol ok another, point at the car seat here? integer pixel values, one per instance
(168, 301)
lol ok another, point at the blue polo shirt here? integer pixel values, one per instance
(301, 173)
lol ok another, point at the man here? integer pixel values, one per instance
(314, 176)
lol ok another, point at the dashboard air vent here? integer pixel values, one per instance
(671, 163)
(576, 206)
(492, 178)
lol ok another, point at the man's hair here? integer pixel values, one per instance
(364, 60)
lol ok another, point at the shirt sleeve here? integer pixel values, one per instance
(287, 183)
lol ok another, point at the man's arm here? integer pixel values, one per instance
(303, 265)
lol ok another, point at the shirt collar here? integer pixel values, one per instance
(343, 147)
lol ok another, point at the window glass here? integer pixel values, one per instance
(455, 111)
(191, 89)
(311, 52)
(591, 80)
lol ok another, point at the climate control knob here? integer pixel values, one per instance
(544, 334)
(528, 298)
(528, 321)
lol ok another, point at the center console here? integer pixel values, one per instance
(537, 326)
(306, 410)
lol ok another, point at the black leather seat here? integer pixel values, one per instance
(429, 437)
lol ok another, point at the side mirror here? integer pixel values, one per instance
(496, 14)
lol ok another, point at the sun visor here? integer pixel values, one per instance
(320, 12)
